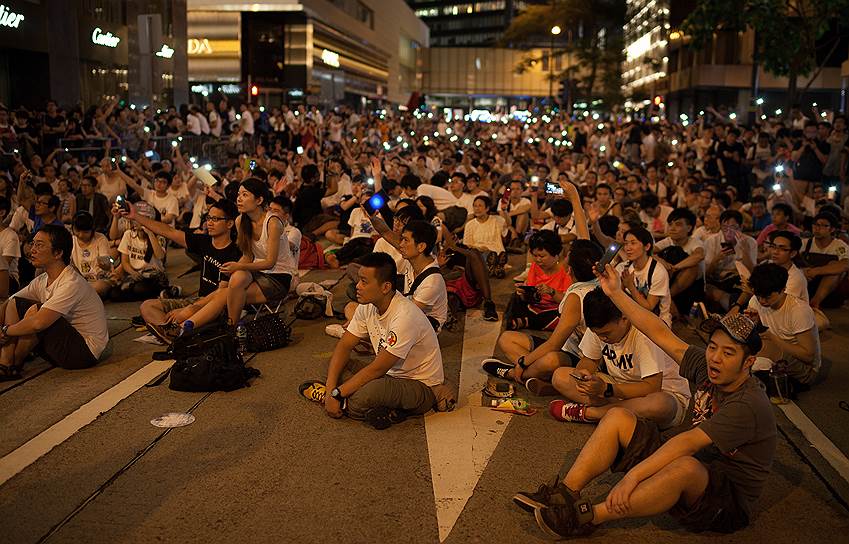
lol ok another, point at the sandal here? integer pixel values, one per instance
(10, 373)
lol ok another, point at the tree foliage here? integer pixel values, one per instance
(591, 36)
(789, 33)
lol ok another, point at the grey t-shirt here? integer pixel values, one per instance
(741, 425)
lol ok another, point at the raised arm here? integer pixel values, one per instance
(645, 320)
(577, 209)
(160, 229)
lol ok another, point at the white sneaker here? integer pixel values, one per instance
(335, 330)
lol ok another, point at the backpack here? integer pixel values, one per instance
(416, 283)
(312, 255)
(207, 360)
(314, 301)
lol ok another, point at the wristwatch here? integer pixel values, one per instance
(336, 394)
(608, 391)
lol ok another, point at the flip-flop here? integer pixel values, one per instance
(10, 373)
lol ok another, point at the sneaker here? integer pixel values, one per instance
(166, 332)
(172, 291)
(313, 390)
(335, 330)
(530, 500)
(566, 514)
(568, 411)
(496, 368)
(540, 388)
(381, 417)
(137, 321)
(489, 313)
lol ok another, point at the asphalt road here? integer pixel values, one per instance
(261, 464)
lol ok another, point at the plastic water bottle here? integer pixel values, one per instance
(188, 327)
(242, 337)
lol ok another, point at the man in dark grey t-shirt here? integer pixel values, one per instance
(710, 476)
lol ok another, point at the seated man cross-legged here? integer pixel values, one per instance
(709, 477)
(639, 376)
(398, 382)
(58, 313)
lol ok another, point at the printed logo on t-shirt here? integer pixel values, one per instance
(702, 404)
(391, 339)
(623, 362)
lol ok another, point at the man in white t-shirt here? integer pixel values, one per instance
(58, 311)
(639, 375)
(827, 258)
(418, 239)
(10, 252)
(215, 123)
(727, 253)
(687, 284)
(784, 246)
(792, 335)
(165, 203)
(406, 371)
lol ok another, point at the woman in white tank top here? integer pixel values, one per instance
(262, 274)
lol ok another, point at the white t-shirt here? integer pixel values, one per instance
(692, 244)
(633, 358)
(291, 258)
(404, 332)
(795, 316)
(382, 246)
(659, 286)
(746, 245)
(361, 226)
(702, 234)
(72, 296)
(568, 228)
(657, 225)
(442, 198)
(797, 283)
(487, 235)
(135, 247)
(215, 119)
(579, 289)
(165, 205)
(431, 293)
(467, 201)
(85, 258)
(837, 247)
(10, 252)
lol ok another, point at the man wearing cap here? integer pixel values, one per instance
(710, 476)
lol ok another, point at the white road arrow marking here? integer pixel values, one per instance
(461, 442)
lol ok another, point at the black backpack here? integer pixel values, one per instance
(207, 360)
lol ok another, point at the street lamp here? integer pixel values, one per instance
(555, 30)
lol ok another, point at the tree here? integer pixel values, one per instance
(790, 35)
(591, 35)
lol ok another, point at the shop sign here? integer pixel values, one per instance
(230, 89)
(8, 18)
(330, 58)
(199, 46)
(166, 52)
(98, 37)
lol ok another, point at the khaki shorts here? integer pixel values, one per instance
(681, 402)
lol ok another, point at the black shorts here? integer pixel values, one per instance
(273, 286)
(719, 509)
(60, 343)
(537, 341)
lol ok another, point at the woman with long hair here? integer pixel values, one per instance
(264, 273)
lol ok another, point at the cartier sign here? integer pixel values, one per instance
(106, 39)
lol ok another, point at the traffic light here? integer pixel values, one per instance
(254, 90)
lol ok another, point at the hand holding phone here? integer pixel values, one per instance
(580, 377)
(122, 203)
(375, 203)
(609, 255)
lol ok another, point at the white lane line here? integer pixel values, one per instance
(818, 440)
(461, 442)
(30, 452)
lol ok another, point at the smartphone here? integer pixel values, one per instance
(580, 377)
(248, 163)
(148, 154)
(552, 188)
(534, 181)
(300, 150)
(608, 256)
(122, 203)
(252, 164)
(375, 203)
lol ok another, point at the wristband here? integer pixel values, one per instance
(521, 362)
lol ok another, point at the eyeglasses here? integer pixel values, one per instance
(213, 219)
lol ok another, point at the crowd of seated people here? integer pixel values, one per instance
(422, 212)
